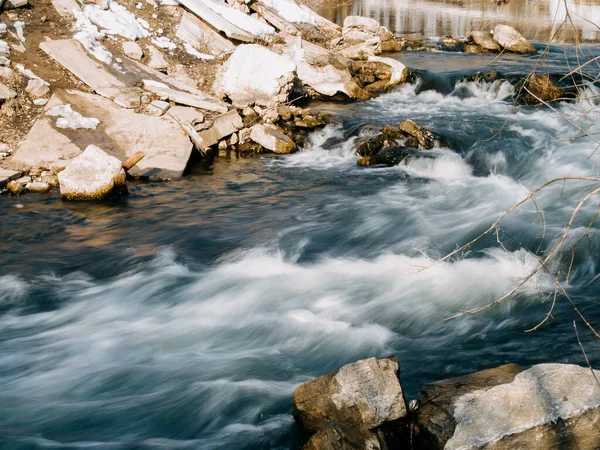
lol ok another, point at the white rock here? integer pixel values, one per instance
(37, 88)
(272, 138)
(512, 40)
(156, 59)
(255, 74)
(92, 176)
(6, 92)
(363, 50)
(132, 50)
(4, 48)
(39, 186)
(360, 23)
(116, 20)
(399, 70)
(157, 108)
(40, 101)
(164, 43)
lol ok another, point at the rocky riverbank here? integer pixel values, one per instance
(166, 79)
(362, 406)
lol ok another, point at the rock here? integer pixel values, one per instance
(255, 75)
(93, 175)
(485, 40)
(425, 137)
(130, 98)
(272, 138)
(378, 86)
(132, 50)
(364, 394)
(285, 112)
(24, 180)
(337, 436)
(202, 37)
(223, 126)
(370, 71)
(271, 115)
(363, 50)
(549, 406)
(39, 186)
(156, 60)
(474, 48)
(400, 72)
(7, 176)
(6, 93)
(388, 135)
(121, 133)
(37, 88)
(157, 108)
(223, 145)
(14, 187)
(186, 114)
(393, 155)
(391, 46)
(543, 88)
(13, 4)
(512, 40)
(362, 24)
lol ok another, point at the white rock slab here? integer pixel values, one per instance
(201, 37)
(66, 7)
(6, 92)
(8, 175)
(512, 40)
(121, 133)
(399, 70)
(255, 75)
(133, 50)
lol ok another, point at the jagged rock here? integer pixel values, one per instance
(549, 406)
(133, 50)
(337, 436)
(93, 175)
(37, 88)
(364, 394)
(156, 60)
(485, 40)
(392, 156)
(255, 74)
(360, 28)
(425, 137)
(391, 46)
(378, 86)
(6, 93)
(373, 145)
(223, 126)
(39, 186)
(512, 40)
(370, 71)
(400, 72)
(272, 138)
(363, 50)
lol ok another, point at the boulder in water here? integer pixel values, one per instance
(425, 137)
(364, 394)
(93, 175)
(549, 406)
(543, 89)
(485, 40)
(272, 138)
(511, 40)
(255, 75)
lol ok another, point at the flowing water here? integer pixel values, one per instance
(183, 316)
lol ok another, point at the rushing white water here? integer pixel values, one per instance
(285, 270)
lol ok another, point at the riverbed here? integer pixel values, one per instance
(184, 315)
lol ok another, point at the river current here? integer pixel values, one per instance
(184, 315)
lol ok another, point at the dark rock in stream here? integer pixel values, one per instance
(425, 138)
(392, 156)
(338, 436)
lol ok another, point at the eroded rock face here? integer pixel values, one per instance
(512, 40)
(255, 75)
(93, 175)
(549, 406)
(363, 394)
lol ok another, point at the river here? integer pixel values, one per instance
(184, 315)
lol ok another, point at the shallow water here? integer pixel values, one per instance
(184, 315)
(538, 20)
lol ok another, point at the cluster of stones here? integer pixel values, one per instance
(362, 406)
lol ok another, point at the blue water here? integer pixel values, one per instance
(184, 315)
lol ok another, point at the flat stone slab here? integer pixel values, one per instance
(8, 175)
(121, 133)
(202, 37)
(6, 92)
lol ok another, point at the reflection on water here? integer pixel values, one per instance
(538, 20)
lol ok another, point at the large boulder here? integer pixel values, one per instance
(272, 138)
(364, 394)
(358, 28)
(511, 40)
(322, 73)
(549, 406)
(485, 40)
(255, 75)
(364, 50)
(93, 175)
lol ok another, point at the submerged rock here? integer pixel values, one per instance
(544, 88)
(93, 175)
(364, 394)
(392, 156)
(549, 406)
(512, 40)
(255, 75)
